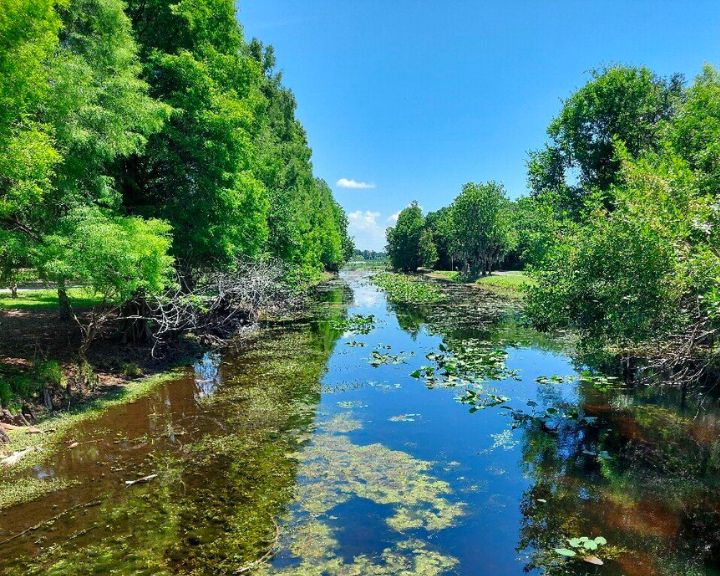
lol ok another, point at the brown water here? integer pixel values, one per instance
(315, 450)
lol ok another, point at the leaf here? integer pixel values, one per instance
(575, 542)
(565, 552)
(593, 560)
(600, 541)
(590, 545)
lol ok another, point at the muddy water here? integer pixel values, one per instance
(314, 451)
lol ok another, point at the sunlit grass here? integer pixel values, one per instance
(508, 283)
(45, 299)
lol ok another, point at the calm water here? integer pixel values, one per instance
(315, 449)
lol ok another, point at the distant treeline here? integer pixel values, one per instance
(370, 255)
(621, 226)
(147, 138)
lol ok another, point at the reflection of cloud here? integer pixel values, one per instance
(363, 226)
(366, 296)
(354, 184)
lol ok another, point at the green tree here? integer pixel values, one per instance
(619, 104)
(481, 226)
(440, 224)
(197, 172)
(695, 131)
(404, 239)
(307, 228)
(427, 253)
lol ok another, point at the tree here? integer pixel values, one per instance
(404, 239)
(75, 106)
(427, 253)
(695, 131)
(197, 172)
(481, 226)
(440, 225)
(619, 104)
(307, 228)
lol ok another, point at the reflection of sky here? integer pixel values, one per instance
(366, 296)
(207, 375)
(479, 455)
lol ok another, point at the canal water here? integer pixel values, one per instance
(381, 438)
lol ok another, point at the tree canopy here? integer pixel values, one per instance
(156, 129)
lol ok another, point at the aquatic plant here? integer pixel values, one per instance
(403, 288)
(355, 324)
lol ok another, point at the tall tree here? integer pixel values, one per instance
(619, 103)
(404, 239)
(481, 226)
(197, 172)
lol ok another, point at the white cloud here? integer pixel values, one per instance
(354, 184)
(392, 219)
(363, 226)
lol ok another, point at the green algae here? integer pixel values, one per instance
(28, 489)
(335, 470)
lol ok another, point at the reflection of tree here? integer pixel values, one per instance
(638, 469)
(410, 317)
(213, 507)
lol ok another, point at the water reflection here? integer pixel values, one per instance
(207, 374)
(302, 452)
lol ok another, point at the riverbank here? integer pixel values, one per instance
(42, 381)
(510, 284)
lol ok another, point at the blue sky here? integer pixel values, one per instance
(414, 98)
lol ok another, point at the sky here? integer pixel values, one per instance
(407, 100)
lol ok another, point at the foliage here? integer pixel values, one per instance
(618, 103)
(630, 261)
(481, 226)
(116, 257)
(139, 138)
(440, 225)
(404, 239)
(402, 288)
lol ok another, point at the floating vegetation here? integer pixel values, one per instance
(468, 362)
(403, 288)
(583, 548)
(315, 547)
(502, 440)
(355, 344)
(333, 471)
(349, 404)
(355, 324)
(404, 418)
(555, 379)
(600, 382)
(481, 399)
(380, 358)
(342, 423)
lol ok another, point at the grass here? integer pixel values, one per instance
(508, 283)
(45, 299)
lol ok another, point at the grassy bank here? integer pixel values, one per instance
(509, 284)
(44, 299)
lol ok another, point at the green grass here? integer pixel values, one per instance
(503, 283)
(45, 299)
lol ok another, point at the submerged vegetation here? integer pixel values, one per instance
(158, 200)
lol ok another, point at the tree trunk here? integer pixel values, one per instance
(64, 302)
(13, 290)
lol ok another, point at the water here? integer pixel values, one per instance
(297, 450)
